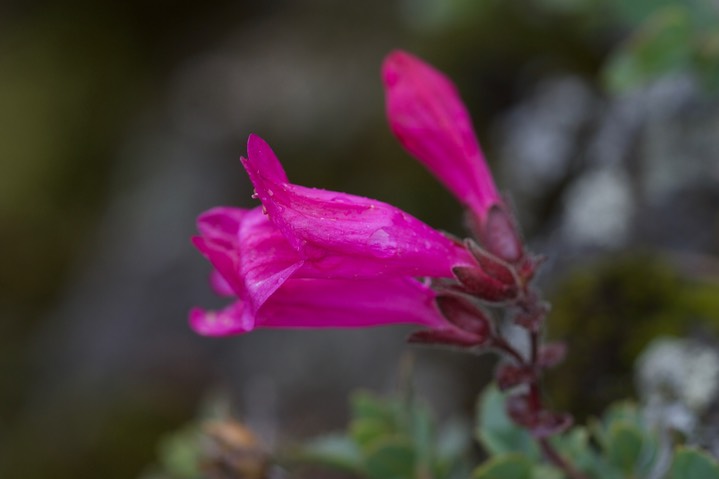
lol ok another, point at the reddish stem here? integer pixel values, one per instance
(535, 401)
(503, 345)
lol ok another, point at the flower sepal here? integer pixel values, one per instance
(491, 264)
(464, 315)
(447, 337)
(512, 375)
(540, 423)
(475, 281)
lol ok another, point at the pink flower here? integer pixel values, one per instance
(316, 258)
(274, 287)
(428, 117)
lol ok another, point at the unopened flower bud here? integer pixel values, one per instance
(499, 235)
(550, 423)
(511, 375)
(520, 411)
(490, 264)
(551, 354)
(483, 286)
(541, 423)
(465, 315)
(532, 312)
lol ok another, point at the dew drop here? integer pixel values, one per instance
(381, 244)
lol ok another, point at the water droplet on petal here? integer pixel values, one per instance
(381, 244)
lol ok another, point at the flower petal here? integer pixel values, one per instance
(230, 320)
(221, 222)
(428, 117)
(345, 235)
(265, 160)
(320, 303)
(225, 258)
(220, 285)
(250, 255)
(266, 258)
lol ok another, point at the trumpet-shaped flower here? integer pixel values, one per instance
(317, 258)
(275, 288)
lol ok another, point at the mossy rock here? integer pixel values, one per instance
(608, 312)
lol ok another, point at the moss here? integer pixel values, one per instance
(608, 311)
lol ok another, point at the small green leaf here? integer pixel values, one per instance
(508, 466)
(575, 445)
(692, 463)
(422, 434)
(180, 453)
(707, 59)
(496, 431)
(625, 447)
(391, 458)
(339, 452)
(366, 432)
(662, 44)
(546, 472)
(366, 405)
(624, 412)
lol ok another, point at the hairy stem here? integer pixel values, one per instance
(504, 346)
(537, 406)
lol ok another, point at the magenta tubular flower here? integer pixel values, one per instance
(347, 236)
(314, 258)
(428, 117)
(275, 288)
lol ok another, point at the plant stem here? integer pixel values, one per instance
(535, 402)
(503, 345)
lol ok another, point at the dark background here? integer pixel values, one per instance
(121, 121)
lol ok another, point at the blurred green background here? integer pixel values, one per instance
(121, 121)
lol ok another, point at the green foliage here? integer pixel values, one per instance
(179, 455)
(335, 451)
(620, 445)
(693, 464)
(663, 44)
(662, 37)
(496, 431)
(395, 438)
(390, 439)
(509, 466)
(391, 458)
(678, 37)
